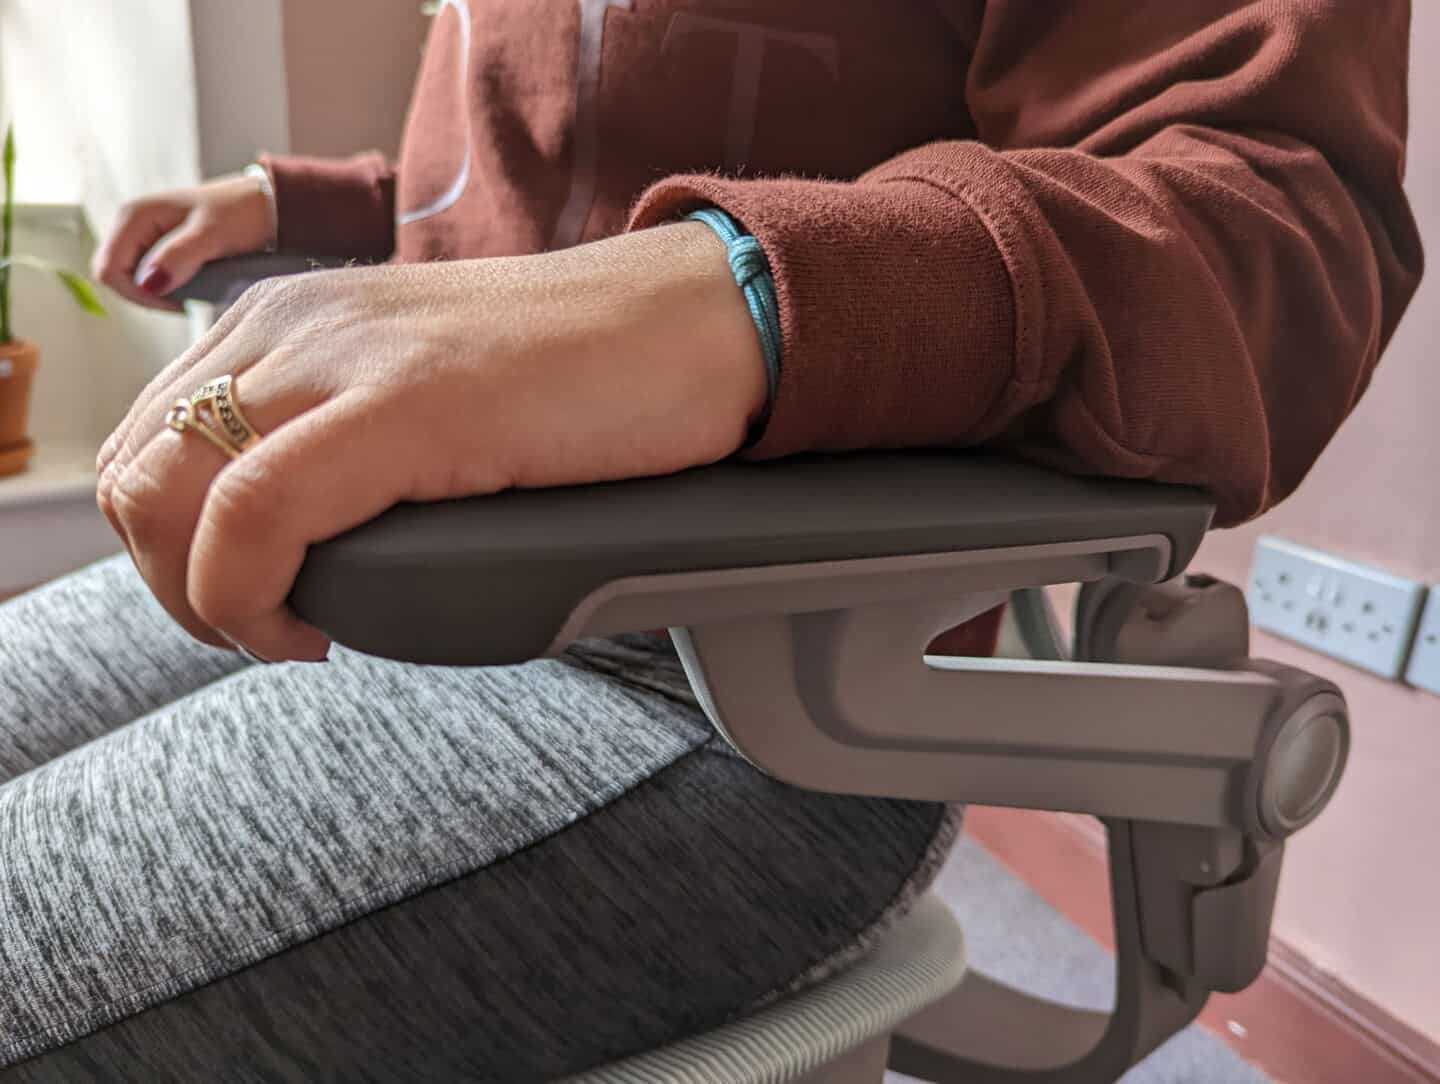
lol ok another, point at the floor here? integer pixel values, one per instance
(1014, 935)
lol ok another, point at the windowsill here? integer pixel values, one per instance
(67, 217)
(60, 470)
(49, 524)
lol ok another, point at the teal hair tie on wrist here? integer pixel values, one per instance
(751, 268)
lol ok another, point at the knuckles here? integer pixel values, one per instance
(268, 293)
(139, 503)
(129, 211)
(105, 501)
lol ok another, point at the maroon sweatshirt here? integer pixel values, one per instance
(1159, 240)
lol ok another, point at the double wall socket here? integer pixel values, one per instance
(1424, 669)
(1356, 613)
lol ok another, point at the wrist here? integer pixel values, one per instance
(733, 348)
(750, 267)
(700, 334)
(243, 212)
(621, 358)
(259, 209)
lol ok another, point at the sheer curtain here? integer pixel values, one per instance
(103, 97)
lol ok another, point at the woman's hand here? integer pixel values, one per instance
(159, 242)
(628, 357)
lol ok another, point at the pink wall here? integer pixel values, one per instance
(1361, 893)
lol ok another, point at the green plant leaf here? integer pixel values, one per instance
(80, 288)
(9, 157)
(7, 225)
(7, 215)
(82, 292)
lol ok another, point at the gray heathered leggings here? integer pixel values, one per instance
(367, 871)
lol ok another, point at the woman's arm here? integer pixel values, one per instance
(341, 207)
(334, 207)
(373, 385)
(1175, 251)
(158, 242)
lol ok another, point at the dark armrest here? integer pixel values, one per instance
(497, 579)
(220, 282)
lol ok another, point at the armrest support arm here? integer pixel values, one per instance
(845, 701)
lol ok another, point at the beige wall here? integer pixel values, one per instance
(240, 88)
(350, 68)
(1361, 893)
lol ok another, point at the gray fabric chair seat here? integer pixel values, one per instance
(912, 967)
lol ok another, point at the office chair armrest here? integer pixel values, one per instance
(801, 595)
(519, 575)
(220, 282)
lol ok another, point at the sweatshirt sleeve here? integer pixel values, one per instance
(341, 207)
(1174, 249)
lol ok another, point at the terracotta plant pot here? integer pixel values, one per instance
(18, 362)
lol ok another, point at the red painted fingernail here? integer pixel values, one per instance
(156, 281)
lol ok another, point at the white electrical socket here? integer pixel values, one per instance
(1358, 614)
(1424, 671)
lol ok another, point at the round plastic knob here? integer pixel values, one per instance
(1303, 765)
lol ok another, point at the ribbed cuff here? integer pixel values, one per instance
(896, 304)
(342, 207)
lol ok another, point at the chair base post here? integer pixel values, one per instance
(987, 1033)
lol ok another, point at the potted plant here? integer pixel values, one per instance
(19, 359)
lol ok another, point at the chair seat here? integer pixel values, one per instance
(918, 962)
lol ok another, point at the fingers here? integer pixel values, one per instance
(328, 471)
(159, 242)
(155, 507)
(175, 260)
(119, 255)
(146, 418)
(156, 503)
(215, 354)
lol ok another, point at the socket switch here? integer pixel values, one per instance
(1361, 615)
(1424, 671)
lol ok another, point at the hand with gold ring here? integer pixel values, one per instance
(329, 397)
(213, 412)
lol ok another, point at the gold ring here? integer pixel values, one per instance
(183, 418)
(216, 398)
